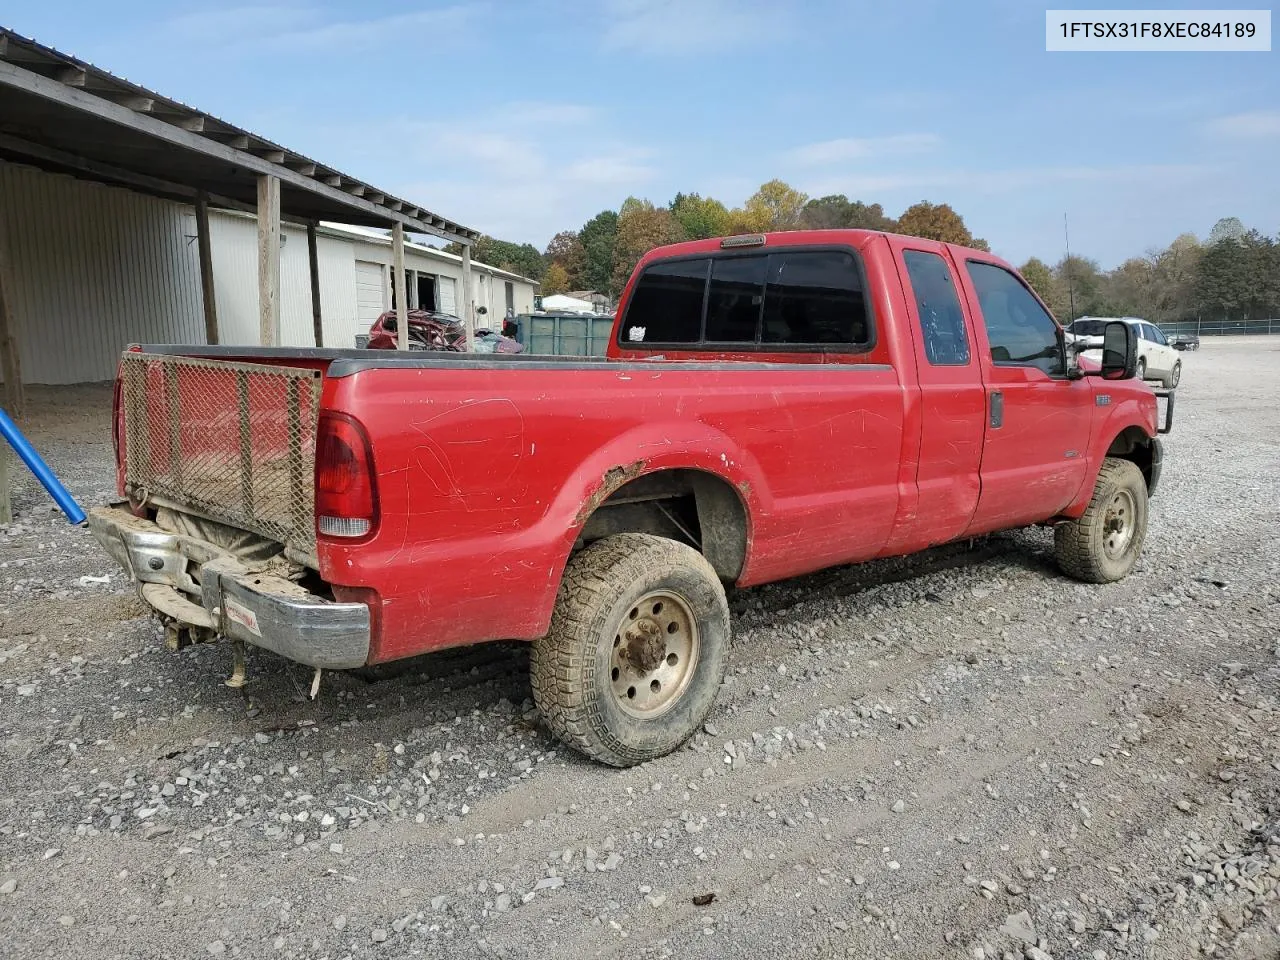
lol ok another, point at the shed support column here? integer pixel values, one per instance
(11, 367)
(313, 261)
(398, 285)
(206, 269)
(269, 260)
(468, 307)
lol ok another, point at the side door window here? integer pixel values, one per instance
(946, 342)
(1020, 331)
(1158, 336)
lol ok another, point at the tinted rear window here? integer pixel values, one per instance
(791, 298)
(666, 306)
(814, 297)
(734, 298)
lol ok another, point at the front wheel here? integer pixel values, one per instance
(1105, 542)
(1141, 372)
(1175, 375)
(636, 652)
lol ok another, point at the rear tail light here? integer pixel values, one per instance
(346, 487)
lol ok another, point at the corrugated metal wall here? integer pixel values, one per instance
(234, 240)
(94, 268)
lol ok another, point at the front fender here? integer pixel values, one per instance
(1133, 411)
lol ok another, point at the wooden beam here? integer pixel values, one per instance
(206, 269)
(138, 104)
(17, 77)
(401, 294)
(468, 315)
(355, 189)
(194, 124)
(306, 169)
(313, 261)
(273, 156)
(239, 142)
(72, 77)
(332, 180)
(269, 261)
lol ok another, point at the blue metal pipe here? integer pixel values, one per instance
(61, 496)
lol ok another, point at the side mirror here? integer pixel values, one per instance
(1119, 352)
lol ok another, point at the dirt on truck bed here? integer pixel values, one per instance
(961, 754)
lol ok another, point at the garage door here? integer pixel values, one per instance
(368, 292)
(446, 296)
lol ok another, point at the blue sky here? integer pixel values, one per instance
(524, 118)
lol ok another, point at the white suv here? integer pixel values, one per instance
(1157, 359)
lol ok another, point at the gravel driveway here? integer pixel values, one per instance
(959, 755)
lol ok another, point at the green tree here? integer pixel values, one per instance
(521, 258)
(775, 206)
(567, 251)
(641, 227)
(598, 236)
(556, 280)
(1038, 273)
(700, 217)
(1222, 281)
(837, 211)
(1228, 228)
(1080, 283)
(935, 221)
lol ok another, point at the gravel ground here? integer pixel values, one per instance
(962, 754)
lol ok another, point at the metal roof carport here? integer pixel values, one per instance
(63, 115)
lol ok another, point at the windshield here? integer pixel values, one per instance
(1088, 328)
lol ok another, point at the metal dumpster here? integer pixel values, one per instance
(565, 334)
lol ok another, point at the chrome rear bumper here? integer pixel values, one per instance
(198, 583)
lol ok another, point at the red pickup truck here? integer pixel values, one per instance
(770, 405)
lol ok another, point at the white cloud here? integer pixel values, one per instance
(830, 152)
(1256, 125)
(521, 171)
(682, 27)
(302, 28)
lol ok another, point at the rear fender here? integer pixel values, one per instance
(675, 445)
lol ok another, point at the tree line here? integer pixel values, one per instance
(1233, 274)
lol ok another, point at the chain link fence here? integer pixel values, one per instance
(233, 442)
(1220, 328)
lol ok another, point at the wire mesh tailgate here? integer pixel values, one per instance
(234, 442)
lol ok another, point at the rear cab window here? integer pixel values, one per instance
(791, 299)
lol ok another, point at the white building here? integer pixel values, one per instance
(564, 303)
(95, 267)
(355, 281)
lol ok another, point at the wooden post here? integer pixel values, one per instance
(401, 294)
(10, 361)
(269, 260)
(313, 261)
(206, 269)
(11, 367)
(468, 313)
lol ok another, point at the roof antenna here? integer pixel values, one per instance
(1071, 293)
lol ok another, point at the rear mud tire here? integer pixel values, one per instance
(575, 683)
(1103, 545)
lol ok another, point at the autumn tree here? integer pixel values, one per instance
(700, 217)
(566, 251)
(775, 206)
(556, 279)
(598, 236)
(641, 227)
(521, 258)
(935, 221)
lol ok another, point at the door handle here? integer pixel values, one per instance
(997, 409)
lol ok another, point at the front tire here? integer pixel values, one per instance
(1105, 542)
(1175, 375)
(637, 649)
(1141, 372)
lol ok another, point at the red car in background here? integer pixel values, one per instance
(432, 330)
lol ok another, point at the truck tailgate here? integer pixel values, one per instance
(234, 442)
